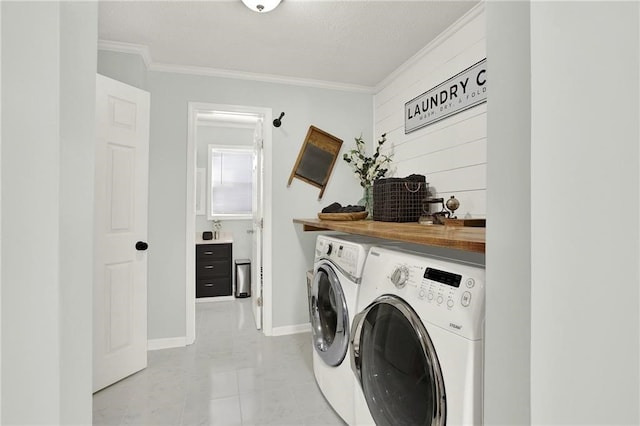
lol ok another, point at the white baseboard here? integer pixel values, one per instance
(214, 299)
(291, 329)
(167, 343)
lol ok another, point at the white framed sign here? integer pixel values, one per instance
(459, 93)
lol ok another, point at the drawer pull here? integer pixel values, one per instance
(208, 252)
(208, 267)
(208, 285)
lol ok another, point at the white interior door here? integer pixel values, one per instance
(120, 267)
(256, 251)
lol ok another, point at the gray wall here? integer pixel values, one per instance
(584, 148)
(78, 38)
(508, 256)
(48, 82)
(125, 67)
(343, 114)
(582, 292)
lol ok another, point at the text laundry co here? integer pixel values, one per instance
(447, 96)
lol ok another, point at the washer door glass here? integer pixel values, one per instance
(399, 371)
(329, 316)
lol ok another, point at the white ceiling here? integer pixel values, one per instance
(351, 42)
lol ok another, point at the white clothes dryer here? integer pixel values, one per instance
(417, 340)
(338, 265)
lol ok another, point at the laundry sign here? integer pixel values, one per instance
(461, 92)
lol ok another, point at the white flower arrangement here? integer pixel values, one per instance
(368, 169)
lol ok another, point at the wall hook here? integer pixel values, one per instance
(277, 122)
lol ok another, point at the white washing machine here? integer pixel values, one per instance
(338, 265)
(417, 340)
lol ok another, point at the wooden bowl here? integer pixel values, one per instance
(343, 216)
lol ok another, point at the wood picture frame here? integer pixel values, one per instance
(316, 159)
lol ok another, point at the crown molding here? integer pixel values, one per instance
(444, 36)
(266, 78)
(122, 47)
(143, 51)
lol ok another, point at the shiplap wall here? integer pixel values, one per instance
(451, 153)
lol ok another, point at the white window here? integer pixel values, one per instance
(230, 182)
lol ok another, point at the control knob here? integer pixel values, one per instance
(328, 249)
(400, 276)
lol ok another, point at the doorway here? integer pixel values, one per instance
(232, 116)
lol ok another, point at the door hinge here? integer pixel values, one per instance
(259, 302)
(261, 223)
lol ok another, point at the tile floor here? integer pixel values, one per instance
(232, 375)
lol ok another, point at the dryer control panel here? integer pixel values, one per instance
(348, 257)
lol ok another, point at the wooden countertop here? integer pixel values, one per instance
(455, 237)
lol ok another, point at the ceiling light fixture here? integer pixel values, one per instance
(261, 6)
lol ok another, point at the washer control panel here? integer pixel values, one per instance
(444, 288)
(444, 292)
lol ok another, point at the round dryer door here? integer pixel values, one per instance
(329, 316)
(394, 359)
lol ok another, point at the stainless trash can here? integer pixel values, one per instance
(243, 278)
